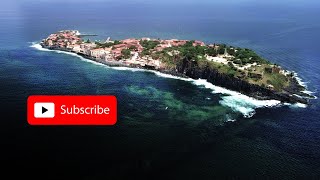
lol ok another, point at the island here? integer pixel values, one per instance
(234, 68)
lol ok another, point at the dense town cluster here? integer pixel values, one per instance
(116, 50)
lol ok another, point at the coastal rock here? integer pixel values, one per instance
(190, 69)
(179, 62)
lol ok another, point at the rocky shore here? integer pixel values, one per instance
(293, 94)
(188, 69)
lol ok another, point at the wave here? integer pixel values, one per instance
(236, 101)
(40, 48)
(296, 105)
(304, 84)
(127, 69)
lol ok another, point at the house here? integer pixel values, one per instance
(108, 57)
(76, 48)
(175, 42)
(198, 43)
(119, 46)
(86, 47)
(131, 40)
(97, 53)
(49, 42)
(117, 53)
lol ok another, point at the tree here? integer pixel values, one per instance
(88, 41)
(231, 51)
(132, 47)
(145, 52)
(222, 46)
(221, 50)
(212, 52)
(149, 44)
(189, 43)
(126, 53)
(115, 42)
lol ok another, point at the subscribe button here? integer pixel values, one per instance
(72, 110)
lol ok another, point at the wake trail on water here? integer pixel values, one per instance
(236, 101)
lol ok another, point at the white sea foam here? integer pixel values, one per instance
(296, 105)
(170, 76)
(236, 101)
(229, 118)
(39, 47)
(304, 84)
(128, 69)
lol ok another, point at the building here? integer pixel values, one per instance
(98, 53)
(76, 48)
(198, 43)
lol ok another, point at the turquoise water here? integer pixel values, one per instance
(166, 127)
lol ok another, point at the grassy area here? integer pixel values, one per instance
(226, 69)
(258, 75)
(279, 81)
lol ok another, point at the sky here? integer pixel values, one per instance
(12, 5)
(170, 1)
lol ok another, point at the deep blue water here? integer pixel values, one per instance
(189, 139)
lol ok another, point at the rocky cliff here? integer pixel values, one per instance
(191, 69)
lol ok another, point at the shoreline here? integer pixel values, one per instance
(296, 89)
(234, 68)
(110, 64)
(252, 102)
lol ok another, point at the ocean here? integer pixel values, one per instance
(167, 127)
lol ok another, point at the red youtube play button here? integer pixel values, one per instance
(72, 110)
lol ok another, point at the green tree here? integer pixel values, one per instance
(149, 44)
(212, 52)
(126, 53)
(231, 51)
(189, 43)
(132, 47)
(115, 42)
(145, 52)
(221, 50)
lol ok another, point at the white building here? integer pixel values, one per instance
(98, 53)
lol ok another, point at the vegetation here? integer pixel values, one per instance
(187, 51)
(277, 80)
(126, 53)
(145, 52)
(212, 52)
(149, 44)
(222, 49)
(115, 42)
(247, 56)
(231, 50)
(107, 44)
(261, 74)
(156, 55)
(133, 47)
(224, 69)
